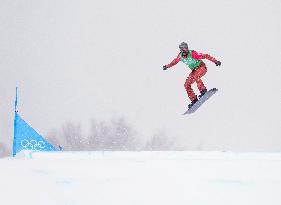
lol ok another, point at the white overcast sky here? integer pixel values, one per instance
(79, 60)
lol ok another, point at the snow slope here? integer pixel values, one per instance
(141, 178)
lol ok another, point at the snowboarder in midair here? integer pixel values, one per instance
(198, 69)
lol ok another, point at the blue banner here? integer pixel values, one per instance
(26, 138)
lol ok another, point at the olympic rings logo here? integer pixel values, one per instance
(33, 145)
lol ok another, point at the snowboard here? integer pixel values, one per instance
(201, 101)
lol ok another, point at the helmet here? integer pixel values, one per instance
(183, 46)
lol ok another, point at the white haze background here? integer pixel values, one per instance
(91, 71)
(75, 61)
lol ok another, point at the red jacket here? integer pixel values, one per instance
(195, 55)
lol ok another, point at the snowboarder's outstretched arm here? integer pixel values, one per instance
(205, 56)
(174, 62)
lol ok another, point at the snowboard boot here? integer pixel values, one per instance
(202, 93)
(192, 103)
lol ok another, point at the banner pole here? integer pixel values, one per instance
(16, 101)
(15, 123)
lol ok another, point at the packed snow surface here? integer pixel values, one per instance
(141, 178)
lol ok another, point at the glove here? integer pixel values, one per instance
(218, 63)
(165, 67)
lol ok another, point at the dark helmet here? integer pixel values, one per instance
(183, 46)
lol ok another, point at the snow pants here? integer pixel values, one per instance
(195, 76)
